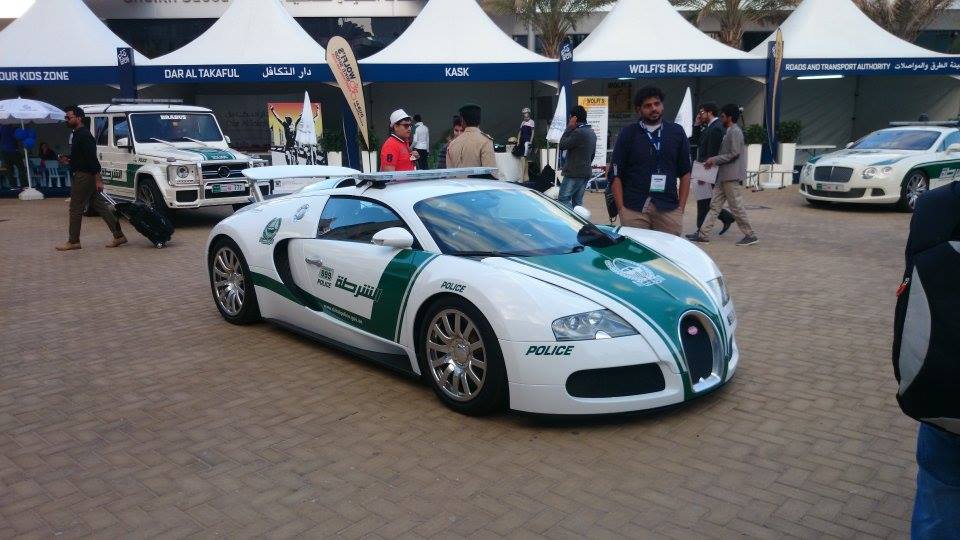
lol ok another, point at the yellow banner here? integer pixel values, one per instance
(343, 63)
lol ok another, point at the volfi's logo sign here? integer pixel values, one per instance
(456, 72)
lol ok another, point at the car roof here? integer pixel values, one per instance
(406, 194)
(941, 129)
(141, 107)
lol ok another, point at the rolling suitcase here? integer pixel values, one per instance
(145, 219)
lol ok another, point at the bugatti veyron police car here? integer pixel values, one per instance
(493, 293)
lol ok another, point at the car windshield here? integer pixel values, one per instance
(899, 139)
(175, 127)
(506, 222)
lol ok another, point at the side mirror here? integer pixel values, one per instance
(226, 138)
(582, 212)
(954, 148)
(395, 237)
(124, 142)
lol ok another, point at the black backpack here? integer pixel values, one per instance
(926, 339)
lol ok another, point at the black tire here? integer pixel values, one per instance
(249, 309)
(914, 185)
(149, 193)
(491, 395)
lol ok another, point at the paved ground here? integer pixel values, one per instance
(127, 407)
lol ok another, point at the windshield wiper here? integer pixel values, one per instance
(168, 143)
(198, 142)
(487, 253)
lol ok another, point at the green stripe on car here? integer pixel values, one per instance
(211, 153)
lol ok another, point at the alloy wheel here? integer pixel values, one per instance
(228, 282)
(916, 186)
(456, 355)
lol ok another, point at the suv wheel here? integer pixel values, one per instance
(149, 194)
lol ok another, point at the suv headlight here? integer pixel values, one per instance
(180, 175)
(719, 288)
(600, 324)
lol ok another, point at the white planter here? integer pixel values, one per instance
(334, 159)
(787, 154)
(370, 161)
(754, 152)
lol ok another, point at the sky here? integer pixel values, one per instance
(11, 9)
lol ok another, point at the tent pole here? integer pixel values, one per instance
(26, 161)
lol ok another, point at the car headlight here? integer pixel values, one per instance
(600, 324)
(885, 171)
(719, 288)
(869, 173)
(807, 169)
(183, 172)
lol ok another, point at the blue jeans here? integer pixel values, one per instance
(571, 191)
(936, 510)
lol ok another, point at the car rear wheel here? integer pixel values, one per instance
(461, 358)
(232, 284)
(916, 185)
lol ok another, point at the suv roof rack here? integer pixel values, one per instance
(382, 179)
(146, 101)
(939, 123)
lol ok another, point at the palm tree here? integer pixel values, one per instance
(903, 18)
(552, 19)
(734, 15)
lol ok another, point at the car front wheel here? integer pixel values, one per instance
(916, 185)
(149, 194)
(232, 284)
(461, 358)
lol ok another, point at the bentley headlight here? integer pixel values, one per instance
(886, 171)
(807, 169)
(719, 288)
(600, 324)
(869, 173)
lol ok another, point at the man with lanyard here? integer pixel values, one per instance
(395, 153)
(650, 168)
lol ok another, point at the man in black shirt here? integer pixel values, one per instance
(86, 183)
(650, 168)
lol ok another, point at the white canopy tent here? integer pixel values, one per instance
(650, 38)
(254, 41)
(59, 42)
(837, 45)
(436, 48)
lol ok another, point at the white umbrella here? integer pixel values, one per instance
(307, 129)
(25, 111)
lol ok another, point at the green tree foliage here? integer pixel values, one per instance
(903, 18)
(735, 15)
(551, 19)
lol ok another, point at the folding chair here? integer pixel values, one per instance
(55, 172)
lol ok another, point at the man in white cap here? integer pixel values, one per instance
(395, 153)
(524, 142)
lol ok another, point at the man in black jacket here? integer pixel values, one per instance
(579, 144)
(711, 136)
(86, 183)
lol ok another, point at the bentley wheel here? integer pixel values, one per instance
(915, 186)
(231, 284)
(461, 358)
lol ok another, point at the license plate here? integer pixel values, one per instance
(227, 188)
(833, 187)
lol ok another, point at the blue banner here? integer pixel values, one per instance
(126, 73)
(523, 71)
(771, 102)
(565, 73)
(58, 75)
(244, 73)
(668, 68)
(874, 66)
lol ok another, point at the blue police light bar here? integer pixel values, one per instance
(382, 179)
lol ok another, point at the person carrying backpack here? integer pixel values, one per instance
(926, 358)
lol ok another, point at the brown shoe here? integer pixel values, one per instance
(68, 246)
(117, 242)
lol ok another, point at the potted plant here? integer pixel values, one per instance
(788, 133)
(332, 141)
(755, 135)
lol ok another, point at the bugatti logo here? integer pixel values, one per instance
(636, 272)
(270, 231)
(302, 211)
(223, 171)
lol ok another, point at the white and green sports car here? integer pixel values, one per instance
(494, 294)
(890, 166)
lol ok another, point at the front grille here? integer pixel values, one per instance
(187, 196)
(832, 174)
(616, 382)
(697, 348)
(211, 171)
(852, 194)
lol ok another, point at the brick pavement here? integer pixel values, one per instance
(127, 407)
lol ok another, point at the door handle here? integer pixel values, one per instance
(314, 261)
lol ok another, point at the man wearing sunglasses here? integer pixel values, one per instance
(395, 154)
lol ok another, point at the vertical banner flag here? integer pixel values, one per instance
(685, 114)
(771, 105)
(565, 72)
(598, 112)
(126, 74)
(559, 123)
(346, 71)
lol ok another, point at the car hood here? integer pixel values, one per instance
(628, 278)
(193, 153)
(864, 158)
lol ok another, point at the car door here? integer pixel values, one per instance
(350, 279)
(950, 166)
(117, 160)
